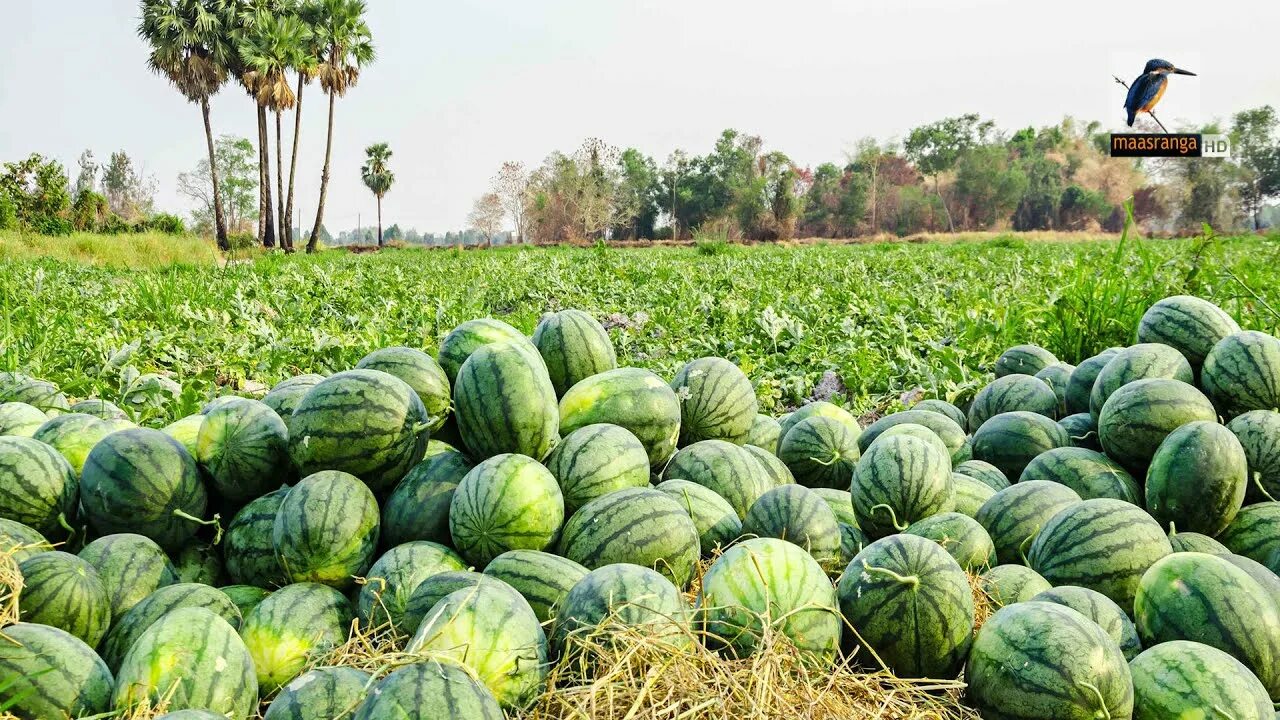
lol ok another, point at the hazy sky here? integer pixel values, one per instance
(460, 86)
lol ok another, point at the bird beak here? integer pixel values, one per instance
(1180, 71)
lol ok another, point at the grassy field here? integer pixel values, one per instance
(877, 320)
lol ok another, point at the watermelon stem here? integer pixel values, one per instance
(62, 521)
(1224, 713)
(1257, 481)
(912, 580)
(893, 517)
(1022, 547)
(1102, 703)
(215, 521)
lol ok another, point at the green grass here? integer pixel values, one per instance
(885, 318)
(144, 250)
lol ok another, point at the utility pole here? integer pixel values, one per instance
(359, 230)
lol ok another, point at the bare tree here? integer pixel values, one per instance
(487, 215)
(511, 185)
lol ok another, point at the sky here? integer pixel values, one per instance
(459, 87)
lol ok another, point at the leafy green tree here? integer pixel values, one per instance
(394, 233)
(937, 147)
(638, 195)
(38, 189)
(87, 180)
(377, 176)
(988, 185)
(1255, 145)
(1080, 205)
(130, 194)
(237, 189)
(822, 201)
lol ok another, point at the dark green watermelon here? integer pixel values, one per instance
(961, 536)
(1013, 393)
(167, 599)
(393, 578)
(574, 346)
(946, 429)
(285, 397)
(1014, 516)
(249, 544)
(900, 480)
(596, 460)
(1188, 324)
(541, 578)
(200, 562)
(1195, 542)
(1082, 430)
(245, 597)
(717, 523)
(462, 341)
(717, 401)
(1024, 360)
(820, 408)
(776, 470)
(418, 508)
(291, 627)
(421, 372)
(427, 691)
(1180, 679)
(1139, 362)
(1009, 584)
(505, 403)
(1259, 434)
(943, 407)
(21, 542)
(1255, 533)
(61, 590)
(131, 568)
(244, 446)
(1100, 609)
(1058, 377)
(326, 530)
(984, 472)
(635, 399)
(765, 433)
(436, 588)
(639, 526)
(798, 515)
(971, 494)
(321, 693)
(508, 502)
(1140, 415)
(1242, 373)
(38, 486)
(101, 409)
(1197, 478)
(624, 596)
(820, 452)
(1091, 474)
(1010, 441)
(724, 468)
(50, 673)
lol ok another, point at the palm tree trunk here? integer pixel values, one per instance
(286, 227)
(324, 181)
(379, 221)
(263, 206)
(293, 163)
(219, 222)
(269, 236)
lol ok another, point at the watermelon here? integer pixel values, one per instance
(631, 398)
(1242, 373)
(766, 580)
(971, 494)
(852, 541)
(20, 419)
(50, 673)
(220, 402)
(1179, 679)
(717, 401)
(418, 508)
(435, 588)
(363, 422)
(393, 578)
(103, 410)
(462, 341)
(639, 526)
(321, 693)
(1139, 362)
(61, 590)
(40, 394)
(840, 502)
(1255, 533)
(143, 481)
(1260, 573)
(190, 714)
(21, 542)
(73, 435)
(37, 486)
(1010, 441)
(1197, 478)
(1058, 377)
(508, 502)
(244, 446)
(796, 514)
(173, 661)
(249, 545)
(421, 372)
(1188, 324)
(326, 530)
(285, 397)
(950, 432)
(131, 567)
(942, 407)
(1195, 542)
(1140, 415)
(1082, 431)
(1205, 599)
(724, 468)
(200, 563)
(899, 481)
(820, 452)
(291, 627)
(505, 403)
(186, 431)
(717, 523)
(1013, 393)
(1259, 434)
(1009, 584)
(244, 597)
(776, 470)
(1100, 609)
(1023, 360)
(624, 596)
(1091, 474)
(820, 408)
(541, 578)
(961, 536)
(427, 691)
(167, 599)
(574, 346)
(765, 433)
(919, 432)
(984, 472)
(1041, 660)
(492, 630)
(1102, 544)
(596, 460)
(1014, 516)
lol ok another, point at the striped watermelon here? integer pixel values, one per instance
(1100, 609)
(724, 468)
(393, 578)
(249, 543)
(1091, 474)
(1139, 362)
(1260, 573)
(984, 472)
(639, 526)
(421, 372)
(1197, 478)
(798, 515)
(717, 523)
(911, 604)
(717, 401)
(508, 502)
(1181, 679)
(429, 690)
(190, 714)
(61, 590)
(624, 596)
(1242, 373)
(971, 494)
(73, 435)
(820, 408)
(919, 432)
(1058, 377)
(574, 346)
(321, 693)
(20, 419)
(942, 407)
(470, 336)
(1103, 544)
(103, 410)
(186, 431)
(1080, 385)
(37, 486)
(820, 452)
(1041, 660)
(1011, 440)
(291, 627)
(1014, 516)
(244, 597)
(41, 394)
(21, 542)
(326, 530)
(899, 481)
(961, 536)
(776, 470)
(1259, 434)
(1013, 393)
(1082, 431)
(1205, 599)
(49, 673)
(1023, 360)
(363, 422)
(541, 578)
(949, 431)
(765, 433)
(131, 567)
(493, 631)
(174, 660)
(285, 397)
(505, 403)
(1195, 542)
(1009, 584)
(1140, 415)
(840, 502)
(1255, 533)
(218, 402)
(596, 460)
(766, 580)
(418, 508)
(435, 588)
(244, 446)
(632, 398)
(1188, 324)
(200, 563)
(125, 633)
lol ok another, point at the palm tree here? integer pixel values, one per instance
(189, 47)
(377, 176)
(347, 47)
(248, 14)
(305, 65)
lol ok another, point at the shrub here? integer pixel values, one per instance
(52, 225)
(241, 241)
(167, 223)
(8, 212)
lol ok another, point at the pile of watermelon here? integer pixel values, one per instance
(488, 506)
